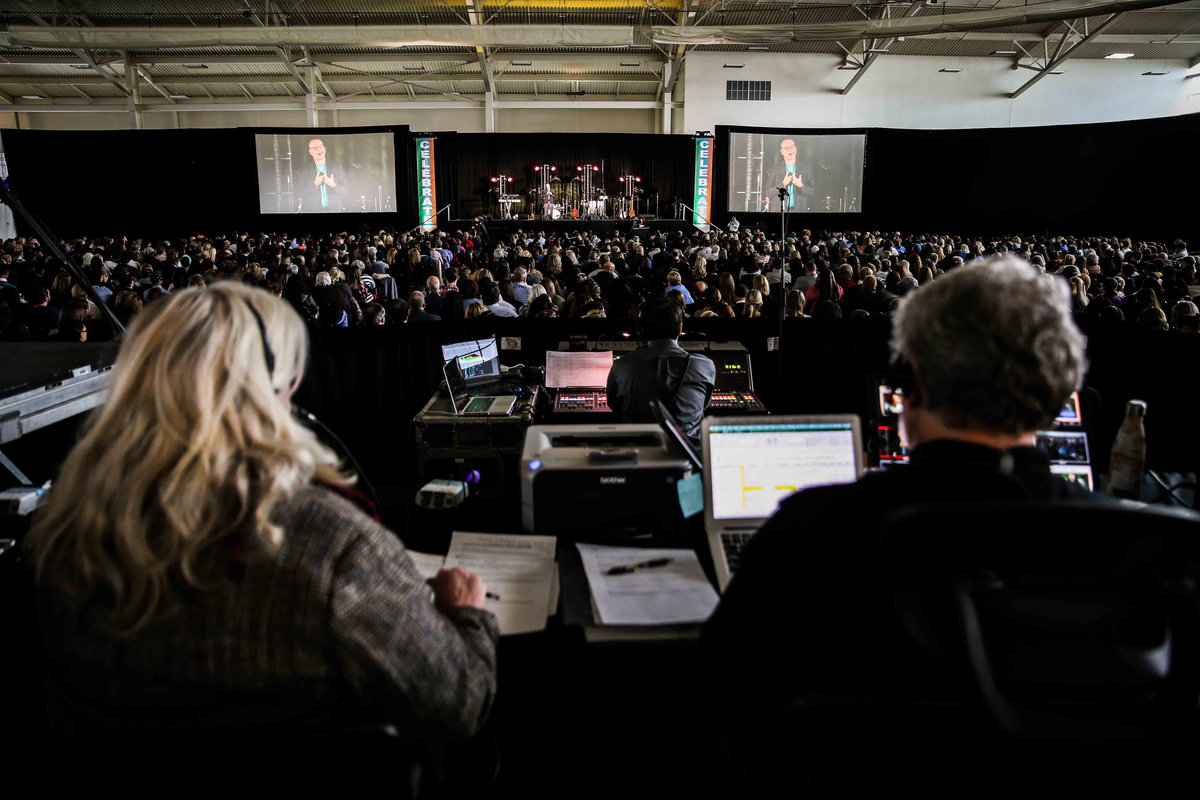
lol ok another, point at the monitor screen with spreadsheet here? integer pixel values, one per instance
(753, 465)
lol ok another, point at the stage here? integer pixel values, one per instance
(641, 226)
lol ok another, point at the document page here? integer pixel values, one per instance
(673, 593)
(519, 571)
(577, 370)
(427, 564)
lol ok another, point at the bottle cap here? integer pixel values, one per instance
(1136, 408)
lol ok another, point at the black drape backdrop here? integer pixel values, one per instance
(664, 163)
(1106, 178)
(367, 384)
(170, 183)
(1123, 177)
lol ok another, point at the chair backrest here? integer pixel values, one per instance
(1075, 621)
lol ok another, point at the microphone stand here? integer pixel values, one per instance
(783, 198)
(694, 212)
(419, 225)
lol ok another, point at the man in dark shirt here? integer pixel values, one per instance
(993, 355)
(662, 371)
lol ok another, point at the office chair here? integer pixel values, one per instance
(1075, 623)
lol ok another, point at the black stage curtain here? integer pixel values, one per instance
(1106, 178)
(664, 163)
(369, 384)
(169, 183)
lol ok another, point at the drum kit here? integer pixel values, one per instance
(581, 197)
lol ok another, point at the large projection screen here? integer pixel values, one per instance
(821, 173)
(318, 173)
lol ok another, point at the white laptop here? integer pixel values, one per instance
(753, 463)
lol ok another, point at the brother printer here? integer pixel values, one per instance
(601, 482)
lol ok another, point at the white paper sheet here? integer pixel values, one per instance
(675, 594)
(519, 569)
(426, 563)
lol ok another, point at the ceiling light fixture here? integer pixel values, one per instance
(33, 97)
(733, 66)
(848, 66)
(1119, 55)
(1004, 52)
(195, 66)
(950, 69)
(1154, 72)
(523, 63)
(180, 97)
(877, 50)
(758, 48)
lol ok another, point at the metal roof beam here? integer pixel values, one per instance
(866, 63)
(1064, 55)
(138, 37)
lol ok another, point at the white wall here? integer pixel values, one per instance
(909, 92)
(465, 119)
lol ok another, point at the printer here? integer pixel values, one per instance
(601, 482)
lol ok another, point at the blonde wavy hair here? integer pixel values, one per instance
(180, 469)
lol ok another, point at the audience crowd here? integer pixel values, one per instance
(347, 280)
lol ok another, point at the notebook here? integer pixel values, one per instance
(468, 405)
(753, 463)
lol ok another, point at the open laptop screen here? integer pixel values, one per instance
(753, 466)
(478, 359)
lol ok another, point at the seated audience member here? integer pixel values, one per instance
(992, 355)
(416, 309)
(663, 371)
(40, 316)
(199, 568)
(490, 297)
(374, 314)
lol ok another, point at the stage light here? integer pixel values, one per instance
(554, 169)
(595, 169)
(537, 169)
(493, 180)
(622, 179)
(639, 180)
(510, 180)
(579, 169)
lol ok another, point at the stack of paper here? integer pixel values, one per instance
(520, 573)
(647, 591)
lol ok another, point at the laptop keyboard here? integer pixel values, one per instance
(733, 544)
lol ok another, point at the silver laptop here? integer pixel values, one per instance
(467, 405)
(753, 463)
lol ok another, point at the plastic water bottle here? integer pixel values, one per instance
(1128, 459)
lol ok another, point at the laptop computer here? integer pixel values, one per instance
(479, 360)
(579, 380)
(753, 463)
(464, 404)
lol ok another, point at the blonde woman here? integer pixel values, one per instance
(1079, 296)
(198, 568)
(754, 303)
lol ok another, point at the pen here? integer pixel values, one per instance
(492, 596)
(624, 570)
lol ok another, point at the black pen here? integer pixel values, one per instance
(625, 570)
(492, 596)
